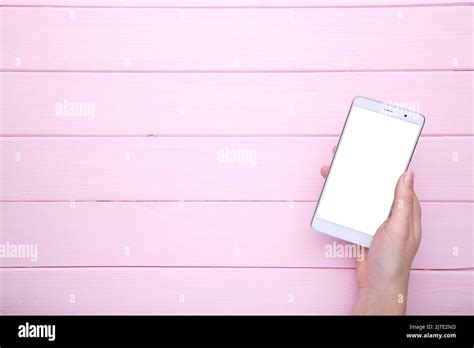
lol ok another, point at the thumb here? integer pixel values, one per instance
(403, 203)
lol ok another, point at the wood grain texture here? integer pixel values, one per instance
(223, 103)
(230, 3)
(215, 291)
(243, 234)
(205, 168)
(243, 100)
(236, 39)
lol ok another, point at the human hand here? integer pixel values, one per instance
(384, 269)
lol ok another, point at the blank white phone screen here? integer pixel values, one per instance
(373, 152)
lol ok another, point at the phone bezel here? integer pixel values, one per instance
(386, 109)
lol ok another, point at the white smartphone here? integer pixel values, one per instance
(374, 150)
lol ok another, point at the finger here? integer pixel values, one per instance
(324, 171)
(404, 200)
(417, 220)
(416, 209)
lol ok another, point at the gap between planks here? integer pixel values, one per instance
(463, 269)
(236, 7)
(235, 71)
(460, 201)
(335, 136)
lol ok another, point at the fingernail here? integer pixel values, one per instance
(409, 179)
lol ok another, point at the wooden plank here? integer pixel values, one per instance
(152, 168)
(215, 291)
(241, 234)
(231, 3)
(223, 103)
(236, 39)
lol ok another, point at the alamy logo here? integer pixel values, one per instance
(336, 250)
(37, 331)
(75, 108)
(21, 251)
(245, 157)
(408, 106)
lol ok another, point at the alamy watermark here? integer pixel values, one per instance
(21, 251)
(407, 106)
(246, 157)
(347, 250)
(75, 109)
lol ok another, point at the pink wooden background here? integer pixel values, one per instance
(118, 117)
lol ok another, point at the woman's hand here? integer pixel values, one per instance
(384, 270)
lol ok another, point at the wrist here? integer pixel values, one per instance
(377, 302)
